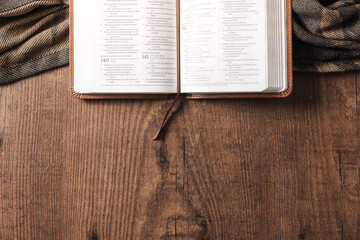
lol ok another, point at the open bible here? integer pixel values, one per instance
(197, 48)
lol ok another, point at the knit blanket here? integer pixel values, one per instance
(34, 36)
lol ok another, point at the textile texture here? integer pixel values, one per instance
(326, 35)
(34, 36)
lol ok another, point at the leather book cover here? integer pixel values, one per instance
(187, 96)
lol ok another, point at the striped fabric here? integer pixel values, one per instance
(34, 36)
(326, 35)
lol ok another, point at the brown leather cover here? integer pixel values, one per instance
(187, 96)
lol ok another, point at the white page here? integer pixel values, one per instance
(126, 46)
(223, 46)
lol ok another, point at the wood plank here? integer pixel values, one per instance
(226, 169)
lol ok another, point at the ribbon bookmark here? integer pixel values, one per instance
(166, 117)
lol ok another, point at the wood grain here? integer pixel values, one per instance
(226, 169)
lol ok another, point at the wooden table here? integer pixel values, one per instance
(227, 169)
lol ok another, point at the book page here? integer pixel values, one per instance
(126, 46)
(223, 46)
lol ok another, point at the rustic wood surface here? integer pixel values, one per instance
(226, 169)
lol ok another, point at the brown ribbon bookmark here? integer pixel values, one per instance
(166, 117)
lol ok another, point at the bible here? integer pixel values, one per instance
(157, 49)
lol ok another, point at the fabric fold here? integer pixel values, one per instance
(326, 35)
(34, 37)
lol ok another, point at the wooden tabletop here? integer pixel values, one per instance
(226, 169)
